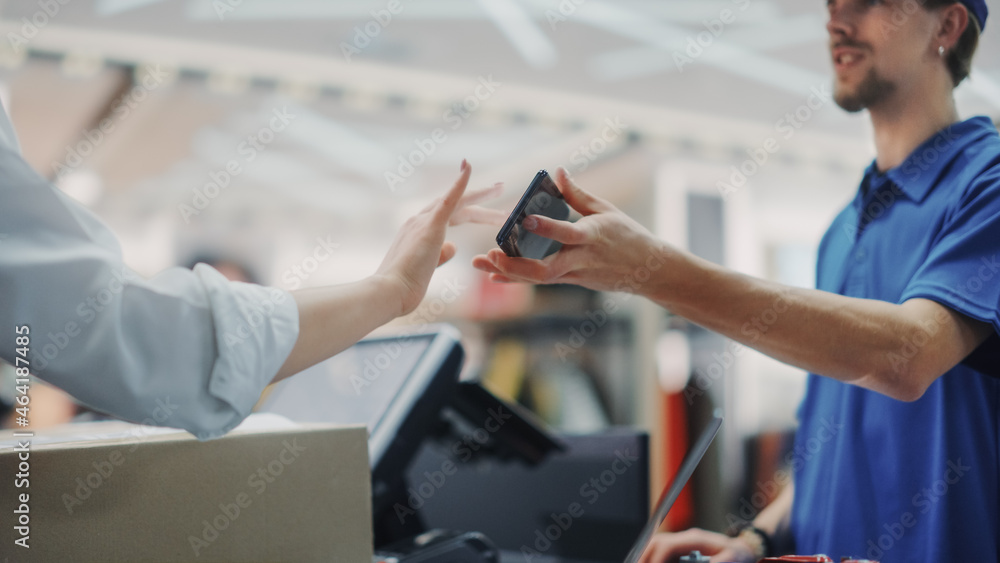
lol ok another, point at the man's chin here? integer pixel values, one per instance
(848, 102)
(873, 91)
(847, 98)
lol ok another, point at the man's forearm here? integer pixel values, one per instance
(332, 319)
(861, 341)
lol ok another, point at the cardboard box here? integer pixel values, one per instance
(300, 494)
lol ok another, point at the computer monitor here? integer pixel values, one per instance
(395, 385)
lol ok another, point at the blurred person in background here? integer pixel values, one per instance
(188, 349)
(901, 337)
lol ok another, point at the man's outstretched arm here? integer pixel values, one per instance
(865, 342)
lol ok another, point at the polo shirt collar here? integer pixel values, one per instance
(920, 172)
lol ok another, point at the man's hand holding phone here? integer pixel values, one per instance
(541, 198)
(601, 251)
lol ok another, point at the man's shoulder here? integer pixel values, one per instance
(981, 165)
(977, 169)
(984, 151)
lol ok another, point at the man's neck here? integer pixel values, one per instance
(901, 125)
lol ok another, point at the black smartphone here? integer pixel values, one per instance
(541, 198)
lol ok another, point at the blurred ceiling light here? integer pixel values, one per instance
(562, 123)
(362, 100)
(520, 118)
(85, 186)
(631, 62)
(82, 65)
(228, 83)
(164, 74)
(426, 110)
(522, 31)
(724, 55)
(316, 10)
(115, 7)
(301, 91)
(488, 118)
(9, 58)
(690, 145)
(665, 143)
(343, 145)
(641, 61)
(574, 125)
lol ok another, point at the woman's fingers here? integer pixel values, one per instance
(450, 202)
(485, 194)
(479, 215)
(447, 204)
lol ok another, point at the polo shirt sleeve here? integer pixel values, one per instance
(962, 270)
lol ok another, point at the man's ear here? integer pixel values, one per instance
(954, 19)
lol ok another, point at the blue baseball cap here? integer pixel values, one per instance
(978, 10)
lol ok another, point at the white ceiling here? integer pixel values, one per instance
(559, 81)
(760, 65)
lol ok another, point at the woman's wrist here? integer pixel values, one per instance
(388, 297)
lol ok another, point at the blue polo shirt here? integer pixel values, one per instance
(911, 482)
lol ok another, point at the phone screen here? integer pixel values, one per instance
(541, 198)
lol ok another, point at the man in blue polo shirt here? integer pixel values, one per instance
(901, 417)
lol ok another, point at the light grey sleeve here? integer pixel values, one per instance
(185, 349)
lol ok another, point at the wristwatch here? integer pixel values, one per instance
(759, 542)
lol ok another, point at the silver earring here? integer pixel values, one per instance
(941, 50)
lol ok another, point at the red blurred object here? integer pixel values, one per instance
(675, 446)
(498, 301)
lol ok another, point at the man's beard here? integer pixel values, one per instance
(872, 91)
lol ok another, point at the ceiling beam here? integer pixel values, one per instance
(652, 121)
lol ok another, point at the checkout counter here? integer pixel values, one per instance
(459, 475)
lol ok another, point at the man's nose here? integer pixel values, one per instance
(842, 16)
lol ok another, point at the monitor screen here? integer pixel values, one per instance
(396, 386)
(353, 387)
